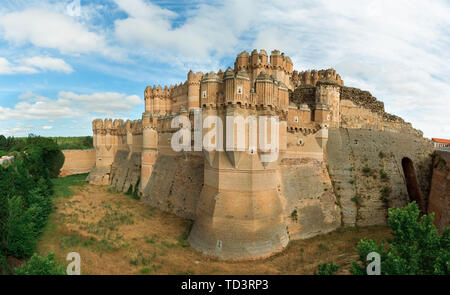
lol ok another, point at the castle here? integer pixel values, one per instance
(342, 159)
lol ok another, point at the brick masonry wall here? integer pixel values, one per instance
(439, 200)
(77, 162)
(365, 167)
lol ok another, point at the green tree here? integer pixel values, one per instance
(3, 143)
(416, 247)
(38, 265)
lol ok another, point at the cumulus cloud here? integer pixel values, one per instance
(46, 28)
(209, 30)
(18, 128)
(69, 105)
(34, 65)
(48, 63)
(7, 68)
(398, 50)
(102, 103)
(46, 127)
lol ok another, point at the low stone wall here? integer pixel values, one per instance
(6, 160)
(439, 200)
(77, 162)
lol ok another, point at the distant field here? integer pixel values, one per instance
(74, 143)
(71, 143)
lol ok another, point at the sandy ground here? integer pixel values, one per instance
(116, 234)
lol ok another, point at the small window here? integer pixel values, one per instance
(239, 90)
(219, 245)
(328, 118)
(260, 60)
(296, 119)
(204, 94)
(300, 142)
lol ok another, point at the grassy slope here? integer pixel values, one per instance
(116, 234)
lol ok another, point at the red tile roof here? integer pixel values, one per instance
(440, 140)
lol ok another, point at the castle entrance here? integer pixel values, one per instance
(412, 184)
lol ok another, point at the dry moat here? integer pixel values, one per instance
(116, 234)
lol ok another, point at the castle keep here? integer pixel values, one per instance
(342, 159)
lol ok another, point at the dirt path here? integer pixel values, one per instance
(116, 234)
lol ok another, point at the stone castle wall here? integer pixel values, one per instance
(342, 159)
(439, 201)
(365, 167)
(77, 162)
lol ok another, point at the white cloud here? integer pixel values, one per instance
(6, 68)
(210, 30)
(69, 105)
(398, 50)
(46, 127)
(18, 128)
(48, 63)
(46, 28)
(102, 103)
(34, 65)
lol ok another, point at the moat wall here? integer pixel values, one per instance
(366, 170)
(176, 184)
(439, 201)
(77, 162)
(310, 207)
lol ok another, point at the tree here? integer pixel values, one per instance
(38, 265)
(416, 247)
(3, 143)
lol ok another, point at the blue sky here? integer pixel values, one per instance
(64, 63)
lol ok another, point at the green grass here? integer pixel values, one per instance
(62, 185)
(74, 143)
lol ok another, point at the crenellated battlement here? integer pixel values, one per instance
(313, 77)
(260, 60)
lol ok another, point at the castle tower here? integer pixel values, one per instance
(209, 89)
(328, 93)
(239, 213)
(193, 83)
(242, 88)
(264, 89)
(149, 149)
(229, 86)
(242, 61)
(105, 144)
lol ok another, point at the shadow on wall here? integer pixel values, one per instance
(412, 184)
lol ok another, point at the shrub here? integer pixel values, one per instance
(294, 215)
(38, 265)
(25, 194)
(416, 248)
(326, 269)
(356, 199)
(366, 170)
(22, 235)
